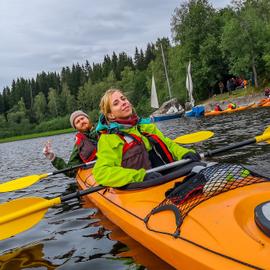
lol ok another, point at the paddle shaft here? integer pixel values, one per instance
(188, 138)
(45, 204)
(264, 137)
(260, 138)
(73, 168)
(209, 153)
(80, 193)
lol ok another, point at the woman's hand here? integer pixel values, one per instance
(152, 176)
(193, 156)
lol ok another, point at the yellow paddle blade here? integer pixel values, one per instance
(265, 137)
(21, 214)
(194, 137)
(20, 183)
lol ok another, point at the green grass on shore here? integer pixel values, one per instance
(235, 94)
(37, 135)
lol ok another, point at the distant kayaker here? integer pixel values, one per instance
(84, 149)
(245, 83)
(217, 108)
(231, 106)
(130, 145)
(267, 92)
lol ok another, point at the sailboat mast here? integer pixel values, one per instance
(166, 73)
(189, 84)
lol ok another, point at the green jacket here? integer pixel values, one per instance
(108, 170)
(74, 158)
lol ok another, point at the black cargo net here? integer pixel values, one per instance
(196, 188)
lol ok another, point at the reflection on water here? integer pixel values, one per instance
(126, 247)
(27, 257)
(74, 237)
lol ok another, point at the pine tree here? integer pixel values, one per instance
(40, 106)
(2, 106)
(149, 54)
(106, 66)
(53, 102)
(6, 99)
(137, 59)
(115, 66)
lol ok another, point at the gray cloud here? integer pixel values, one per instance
(39, 35)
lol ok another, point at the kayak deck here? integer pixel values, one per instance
(219, 233)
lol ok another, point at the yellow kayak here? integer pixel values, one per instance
(205, 221)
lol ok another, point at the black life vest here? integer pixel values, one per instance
(159, 154)
(136, 156)
(87, 148)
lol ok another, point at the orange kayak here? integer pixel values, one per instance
(218, 231)
(242, 108)
(263, 103)
(266, 104)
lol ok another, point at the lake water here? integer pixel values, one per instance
(78, 236)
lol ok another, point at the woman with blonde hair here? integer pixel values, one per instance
(129, 145)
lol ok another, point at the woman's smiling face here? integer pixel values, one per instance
(120, 107)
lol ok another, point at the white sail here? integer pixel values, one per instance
(189, 85)
(154, 98)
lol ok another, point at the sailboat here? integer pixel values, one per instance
(195, 110)
(168, 110)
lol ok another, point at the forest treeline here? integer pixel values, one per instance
(233, 41)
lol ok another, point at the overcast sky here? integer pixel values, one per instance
(46, 35)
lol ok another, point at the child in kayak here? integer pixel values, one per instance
(84, 149)
(129, 145)
(267, 92)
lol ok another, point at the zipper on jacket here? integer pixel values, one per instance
(158, 154)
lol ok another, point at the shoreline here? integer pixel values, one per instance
(37, 135)
(241, 97)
